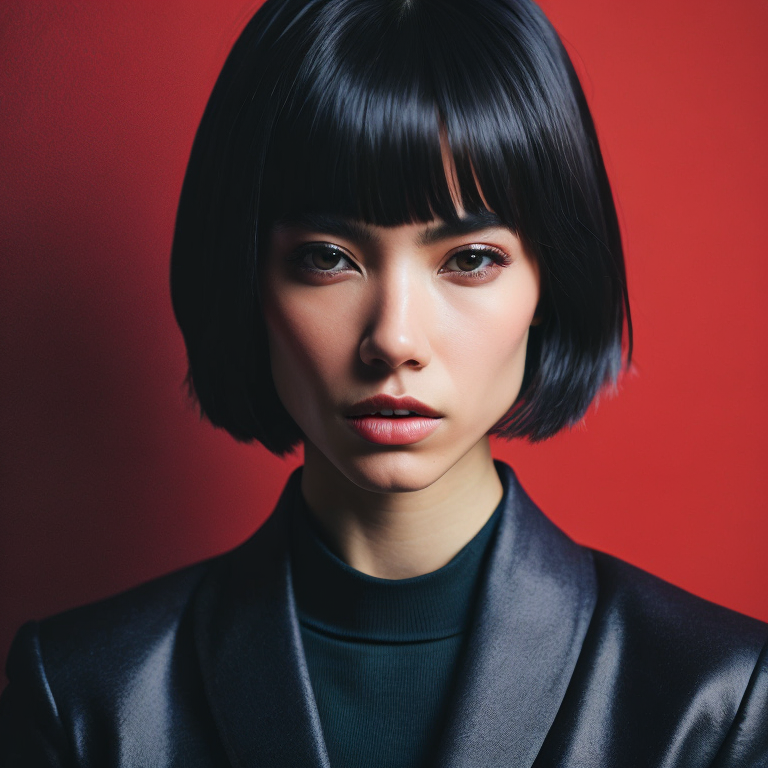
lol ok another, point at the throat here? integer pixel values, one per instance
(397, 534)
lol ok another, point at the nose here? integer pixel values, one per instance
(396, 334)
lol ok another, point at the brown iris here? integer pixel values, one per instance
(467, 261)
(325, 258)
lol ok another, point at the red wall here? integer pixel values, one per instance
(109, 478)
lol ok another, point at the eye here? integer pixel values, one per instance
(475, 261)
(322, 258)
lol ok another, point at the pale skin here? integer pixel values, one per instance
(437, 313)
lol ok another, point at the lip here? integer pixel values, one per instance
(388, 402)
(392, 430)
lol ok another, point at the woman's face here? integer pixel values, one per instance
(397, 349)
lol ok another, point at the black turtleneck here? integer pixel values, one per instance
(382, 653)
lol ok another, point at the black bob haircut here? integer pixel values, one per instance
(344, 107)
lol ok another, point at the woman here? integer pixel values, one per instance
(396, 237)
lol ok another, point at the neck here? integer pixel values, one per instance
(398, 535)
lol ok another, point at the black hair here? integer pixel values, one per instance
(345, 107)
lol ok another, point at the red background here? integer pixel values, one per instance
(109, 478)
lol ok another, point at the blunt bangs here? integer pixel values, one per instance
(361, 108)
(370, 112)
(360, 134)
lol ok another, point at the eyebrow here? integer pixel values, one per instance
(359, 232)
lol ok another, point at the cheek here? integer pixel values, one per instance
(305, 347)
(486, 343)
(488, 368)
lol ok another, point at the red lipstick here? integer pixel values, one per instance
(387, 420)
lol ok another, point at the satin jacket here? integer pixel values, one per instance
(574, 659)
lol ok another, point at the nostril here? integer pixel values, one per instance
(394, 338)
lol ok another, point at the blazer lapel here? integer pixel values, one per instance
(537, 600)
(254, 669)
(536, 604)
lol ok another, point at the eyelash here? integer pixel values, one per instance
(298, 259)
(499, 258)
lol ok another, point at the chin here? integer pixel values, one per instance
(393, 471)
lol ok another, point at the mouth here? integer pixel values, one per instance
(386, 406)
(387, 420)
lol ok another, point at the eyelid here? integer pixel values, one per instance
(298, 254)
(303, 246)
(479, 247)
(499, 255)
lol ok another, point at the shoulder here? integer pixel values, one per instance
(100, 670)
(113, 674)
(123, 626)
(662, 615)
(694, 672)
(110, 633)
(140, 621)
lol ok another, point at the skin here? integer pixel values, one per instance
(442, 316)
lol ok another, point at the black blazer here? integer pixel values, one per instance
(574, 659)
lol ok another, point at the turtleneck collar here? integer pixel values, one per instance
(335, 599)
